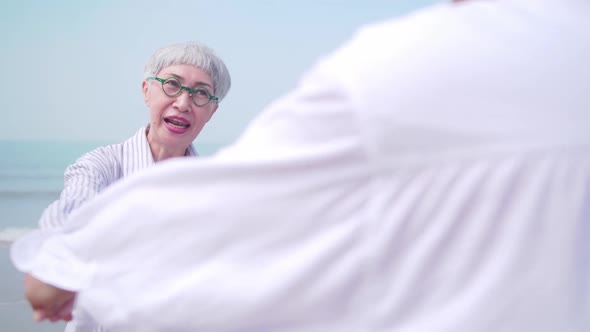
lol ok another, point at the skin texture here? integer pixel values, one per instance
(48, 302)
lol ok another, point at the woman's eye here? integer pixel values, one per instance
(202, 92)
(173, 83)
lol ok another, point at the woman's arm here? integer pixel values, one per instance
(88, 176)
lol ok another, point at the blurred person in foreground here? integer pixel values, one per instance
(432, 174)
(182, 87)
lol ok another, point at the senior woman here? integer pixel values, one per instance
(182, 87)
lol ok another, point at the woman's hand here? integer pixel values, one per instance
(48, 302)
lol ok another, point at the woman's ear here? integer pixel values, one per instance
(145, 91)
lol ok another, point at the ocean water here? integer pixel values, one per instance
(31, 177)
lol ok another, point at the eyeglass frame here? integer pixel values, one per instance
(182, 87)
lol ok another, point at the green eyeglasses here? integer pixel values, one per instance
(172, 88)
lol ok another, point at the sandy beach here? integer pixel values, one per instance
(15, 313)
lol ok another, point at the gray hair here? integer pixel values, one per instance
(195, 54)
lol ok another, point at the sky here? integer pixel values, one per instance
(73, 69)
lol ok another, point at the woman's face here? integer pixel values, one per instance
(175, 122)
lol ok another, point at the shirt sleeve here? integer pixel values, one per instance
(262, 235)
(88, 176)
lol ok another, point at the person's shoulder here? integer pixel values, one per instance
(107, 155)
(100, 157)
(132, 142)
(380, 40)
(429, 25)
(416, 17)
(417, 39)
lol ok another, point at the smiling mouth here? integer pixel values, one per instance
(177, 123)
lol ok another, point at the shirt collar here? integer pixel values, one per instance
(137, 154)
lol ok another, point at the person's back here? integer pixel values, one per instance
(480, 133)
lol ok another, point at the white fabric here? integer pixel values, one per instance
(88, 176)
(433, 174)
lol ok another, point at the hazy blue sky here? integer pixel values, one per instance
(72, 70)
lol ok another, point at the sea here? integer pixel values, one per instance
(32, 176)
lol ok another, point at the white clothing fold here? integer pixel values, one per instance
(433, 174)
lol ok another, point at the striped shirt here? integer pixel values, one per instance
(87, 177)
(95, 171)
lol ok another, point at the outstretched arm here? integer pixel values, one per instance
(82, 181)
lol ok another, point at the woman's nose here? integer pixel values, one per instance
(184, 102)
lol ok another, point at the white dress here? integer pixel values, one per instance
(433, 174)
